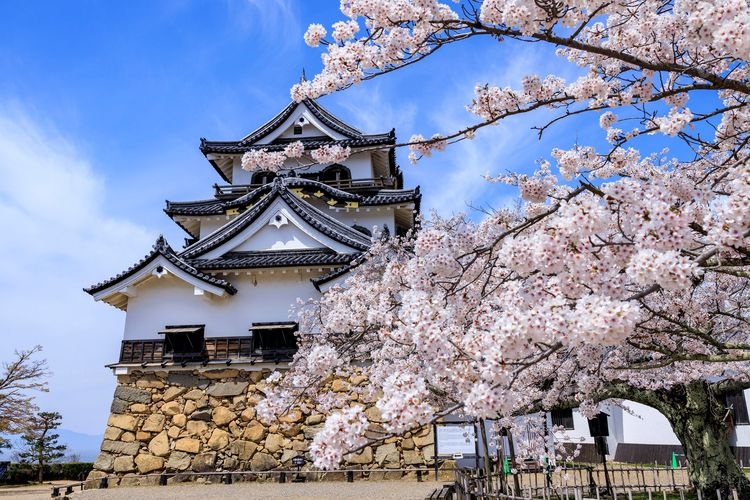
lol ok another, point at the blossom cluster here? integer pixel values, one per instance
(272, 161)
(342, 431)
(619, 267)
(420, 146)
(331, 154)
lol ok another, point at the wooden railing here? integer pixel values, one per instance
(140, 351)
(571, 482)
(235, 190)
(229, 347)
(214, 349)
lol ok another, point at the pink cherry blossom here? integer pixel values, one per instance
(620, 266)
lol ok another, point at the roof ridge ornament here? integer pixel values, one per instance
(162, 245)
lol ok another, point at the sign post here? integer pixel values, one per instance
(298, 462)
(599, 430)
(454, 440)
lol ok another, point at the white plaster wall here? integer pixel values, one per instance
(169, 301)
(287, 237)
(277, 208)
(307, 131)
(240, 176)
(301, 111)
(615, 427)
(580, 433)
(646, 426)
(642, 424)
(211, 224)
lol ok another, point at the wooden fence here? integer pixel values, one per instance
(572, 482)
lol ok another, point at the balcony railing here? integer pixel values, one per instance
(235, 190)
(214, 349)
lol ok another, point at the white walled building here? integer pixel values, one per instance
(258, 245)
(641, 434)
(206, 324)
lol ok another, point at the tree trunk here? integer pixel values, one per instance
(697, 418)
(696, 412)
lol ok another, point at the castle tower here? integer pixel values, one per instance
(207, 323)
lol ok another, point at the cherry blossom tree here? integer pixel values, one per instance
(624, 275)
(20, 378)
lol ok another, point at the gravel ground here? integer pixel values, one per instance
(364, 490)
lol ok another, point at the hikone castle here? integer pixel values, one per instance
(205, 324)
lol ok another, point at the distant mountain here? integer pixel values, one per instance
(86, 446)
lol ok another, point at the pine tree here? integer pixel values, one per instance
(41, 443)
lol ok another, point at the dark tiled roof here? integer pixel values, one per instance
(237, 147)
(316, 109)
(319, 220)
(198, 207)
(329, 119)
(390, 196)
(285, 258)
(367, 198)
(354, 138)
(321, 280)
(162, 248)
(325, 223)
(269, 126)
(301, 182)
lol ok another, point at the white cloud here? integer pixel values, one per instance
(373, 112)
(276, 20)
(56, 239)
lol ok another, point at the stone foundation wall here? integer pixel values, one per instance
(205, 421)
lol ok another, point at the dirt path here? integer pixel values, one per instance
(364, 490)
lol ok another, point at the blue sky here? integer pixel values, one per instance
(102, 105)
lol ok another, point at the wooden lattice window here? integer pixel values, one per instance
(335, 173)
(738, 407)
(183, 342)
(274, 340)
(563, 418)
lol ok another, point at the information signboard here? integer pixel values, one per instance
(453, 439)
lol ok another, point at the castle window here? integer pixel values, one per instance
(274, 341)
(263, 177)
(336, 175)
(738, 407)
(563, 418)
(297, 129)
(183, 342)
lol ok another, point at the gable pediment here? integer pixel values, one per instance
(278, 227)
(307, 125)
(159, 263)
(279, 220)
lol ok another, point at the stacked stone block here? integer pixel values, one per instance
(205, 421)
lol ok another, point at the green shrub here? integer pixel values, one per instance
(27, 473)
